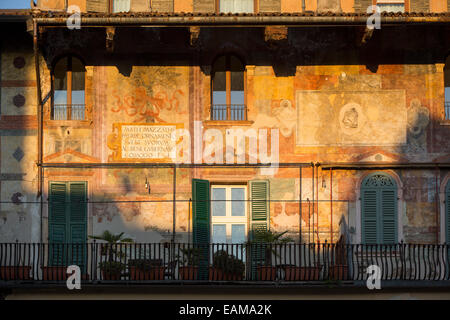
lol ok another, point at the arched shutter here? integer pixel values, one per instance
(379, 209)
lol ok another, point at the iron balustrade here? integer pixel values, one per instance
(233, 112)
(62, 111)
(221, 262)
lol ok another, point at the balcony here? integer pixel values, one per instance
(228, 112)
(63, 111)
(241, 264)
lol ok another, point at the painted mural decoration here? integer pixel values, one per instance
(418, 120)
(352, 118)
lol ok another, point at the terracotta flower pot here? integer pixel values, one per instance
(111, 275)
(338, 272)
(153, 273)
(216, 274)
(15, 273)
(54, 273)
(188, 272)
(294, 273)
(266, 273)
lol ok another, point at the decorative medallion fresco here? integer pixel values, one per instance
(372, 118)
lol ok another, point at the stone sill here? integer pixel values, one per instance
(444, 122)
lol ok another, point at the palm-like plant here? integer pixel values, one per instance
(266, 239)
(112, 241)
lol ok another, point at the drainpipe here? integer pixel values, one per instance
(317, 200)
(331, 205)
(300, 207)
(303, 5)
(39, 118)
(436, 201)
(174, 201)
(312, 179)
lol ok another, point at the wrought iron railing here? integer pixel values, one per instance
(221, 263)
(62, 111)
(234, 112)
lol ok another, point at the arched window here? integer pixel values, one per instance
(447, 88)
(68, 89)
(379, 209)
(228, 95)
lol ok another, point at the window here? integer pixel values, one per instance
(121, 6)
(228, 214)
(228, 95)
(379, 209)
(391, 5)
(236, 6)
(68, 89)
(447, 88)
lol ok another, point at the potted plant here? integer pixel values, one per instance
(338, 270)
(146, 269)
(188, 269)
(18, 271)
(226, 267)
(112, 268)
(264, 244)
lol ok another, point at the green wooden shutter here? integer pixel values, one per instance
(379, 209)
(57, 233)
(369, 216)
(260, 207)
(389, 216)
(201, 223)
(77, 222)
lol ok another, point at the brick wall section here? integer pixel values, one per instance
(204, 6)
(97, 5)
(162, 5)
(420, 5)
(269, 5)
(362, 5)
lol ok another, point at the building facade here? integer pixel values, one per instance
(201, 121)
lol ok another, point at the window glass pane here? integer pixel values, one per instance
(218, 207)
(237, 233)
(237, 207)
(237, 82)
(219, 87)
(60, 74)
(78, 71)
(121, 6)
(219, 233)
(236, 6)
(391, 7)
(60, 90)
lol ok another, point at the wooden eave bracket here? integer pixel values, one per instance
(110, 33)
(367, 35)
(194, 35)
(275, 34)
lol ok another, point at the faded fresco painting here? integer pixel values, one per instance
(327, 118)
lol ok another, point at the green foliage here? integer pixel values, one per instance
(111, 249)
(267, 241)
(144, 264)
(112, 238)
(112, 267)
(269, 237)
(191, 256)
(228, 263)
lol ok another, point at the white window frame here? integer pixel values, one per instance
(228, 219)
